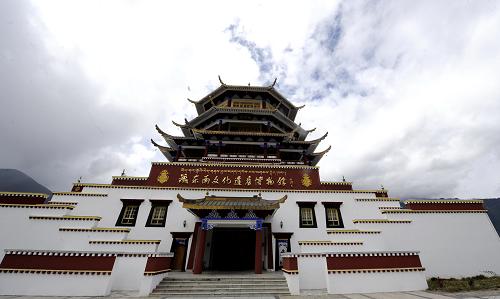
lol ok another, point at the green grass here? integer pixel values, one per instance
(479, 282)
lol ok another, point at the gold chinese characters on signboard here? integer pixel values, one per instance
(226, 180)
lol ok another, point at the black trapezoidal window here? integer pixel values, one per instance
(332, 215)
(129, 212)
(158, 213)
(307, 218)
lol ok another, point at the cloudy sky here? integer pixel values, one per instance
(409, 91)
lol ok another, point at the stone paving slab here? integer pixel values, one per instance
(398, 295)
(486, 294)
(429, 295)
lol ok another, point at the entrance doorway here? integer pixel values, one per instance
(232, 249)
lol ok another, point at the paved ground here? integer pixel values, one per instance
(491, 294)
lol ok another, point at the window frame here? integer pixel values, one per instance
(307, 205)
(157, 203)
(128, 203)
(336, 206)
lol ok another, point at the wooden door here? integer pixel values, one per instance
(179, 254)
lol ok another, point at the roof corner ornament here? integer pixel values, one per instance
(123, 172)
(79, 179)
(159, 130)
(300, 107)
(274, 82)
(191, 101)
(382, 186)
(343, 178)
(180, 198)
(220, 80)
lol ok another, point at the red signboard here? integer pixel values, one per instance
(242, 177)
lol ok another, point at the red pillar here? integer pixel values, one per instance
(194, 242)
(200, 251)
(258, 251)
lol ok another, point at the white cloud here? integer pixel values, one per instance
(407, 90)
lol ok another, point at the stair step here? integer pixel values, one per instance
(219, 294)
(224, 289)
(218, 285)
(222, 286)
(221, 281)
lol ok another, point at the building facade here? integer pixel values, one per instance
(241, 191)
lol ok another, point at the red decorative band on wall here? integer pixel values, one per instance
(58, 272)
(22, 198)
(290, 265)
(58, 262)
(372, 262)
(393, 270)
(445, 206)
(157, 265)
(130, 181)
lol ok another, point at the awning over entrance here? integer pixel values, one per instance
(219, 207)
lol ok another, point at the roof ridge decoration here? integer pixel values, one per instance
(126, 177)
(29, 194)
(79, 194)
(426, 201)
(37, 206)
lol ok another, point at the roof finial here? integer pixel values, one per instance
(248, 83)
(382, 186)
(79, 179)
(343, 179)
(274, 83)
(191, 101)
(123, 172)
(220, 80)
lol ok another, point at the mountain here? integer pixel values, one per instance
(13, 180)
(493, 207)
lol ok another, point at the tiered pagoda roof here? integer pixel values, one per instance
(247, 124)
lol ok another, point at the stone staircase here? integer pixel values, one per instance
(222, 286)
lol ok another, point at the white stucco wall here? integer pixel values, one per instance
(459, 244)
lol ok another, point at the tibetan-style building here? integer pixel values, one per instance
(240, 192)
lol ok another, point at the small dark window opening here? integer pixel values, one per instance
(128, 214)
(158, 213)
(332, 215)
(307, 217)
